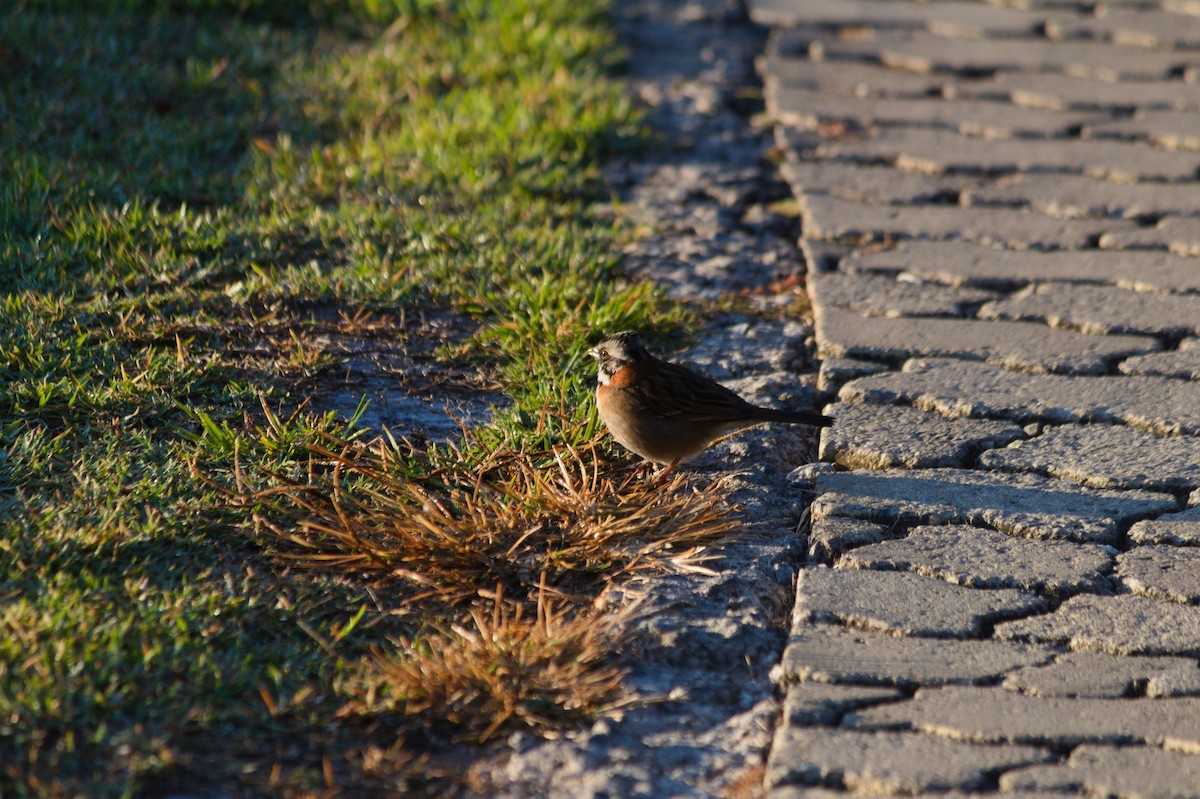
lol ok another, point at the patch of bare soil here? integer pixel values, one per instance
(333, 360)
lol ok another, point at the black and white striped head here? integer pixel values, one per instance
(616, 351)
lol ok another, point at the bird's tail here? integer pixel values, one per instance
(792, 417)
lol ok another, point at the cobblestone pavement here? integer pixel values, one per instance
(1002, 214)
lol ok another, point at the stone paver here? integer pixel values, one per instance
(1141, 772)
(883, 437)
(830, 217)
(1183, 362)
(1039, 90)
(1024, 345)
(982, 558)
(1082, 196)
(809, 109)
(973, 20)
(902, 603)
(1176, 234)
(830, 537)
(882, 185)
(1045, 153)
(1161, 572)
(1097, 675)
(1100, 309)
(1025, 505)
(1119, 625)
(829, 653)
(922, 51)
(1174, 130)
(811, 792)
(837, 371)
(956, 263)
(1184, 681)
(880, 294)
(937, 150)
(962, 388)
(969, 16)
(892, 763)
(848, 78)
(1180, 529)
(1056, 195)
(1050, 90)
(995, 715)
(809, 703)
(1105, 456)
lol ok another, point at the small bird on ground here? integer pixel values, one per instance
(667, 413)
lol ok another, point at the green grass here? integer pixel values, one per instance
(181, 179)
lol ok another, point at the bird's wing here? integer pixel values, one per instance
(673, 392)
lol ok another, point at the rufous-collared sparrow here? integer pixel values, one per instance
(667, 413)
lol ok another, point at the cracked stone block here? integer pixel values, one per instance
(1118, 625)
(958, 263)
(1174, 130)
(836, 371)
(1082, 196)
(1182, 363)
(888, 762)
(1097, 675)
(1018, 344)
(1162, 572)
(1136, 27)
(976, 18)
(922, 51)
(813, 703)
(1143, 772)
(1176, 529)
(1099, 310)
(809, 109)
(889, 436)
(903, 603)
(881, 295)
(1024, 505)
(965, 388)
(1048, 90)
(980, 558)
(935, 150)
(1105, 456)
(879, 184)
(1176, 234)
(834, 535)
(824, 653)
(829, 217)
(811, 792)
(849, 78)
(1184, 681)
(995, 715)
(823, 256)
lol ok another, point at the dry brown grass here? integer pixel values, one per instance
(518, 522)
(505, 670)
(502, 562)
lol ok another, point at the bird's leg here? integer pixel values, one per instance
(644, 468)
(665, 473)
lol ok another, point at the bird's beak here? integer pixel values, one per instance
(594, 353)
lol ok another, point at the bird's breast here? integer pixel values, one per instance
(621, 378)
